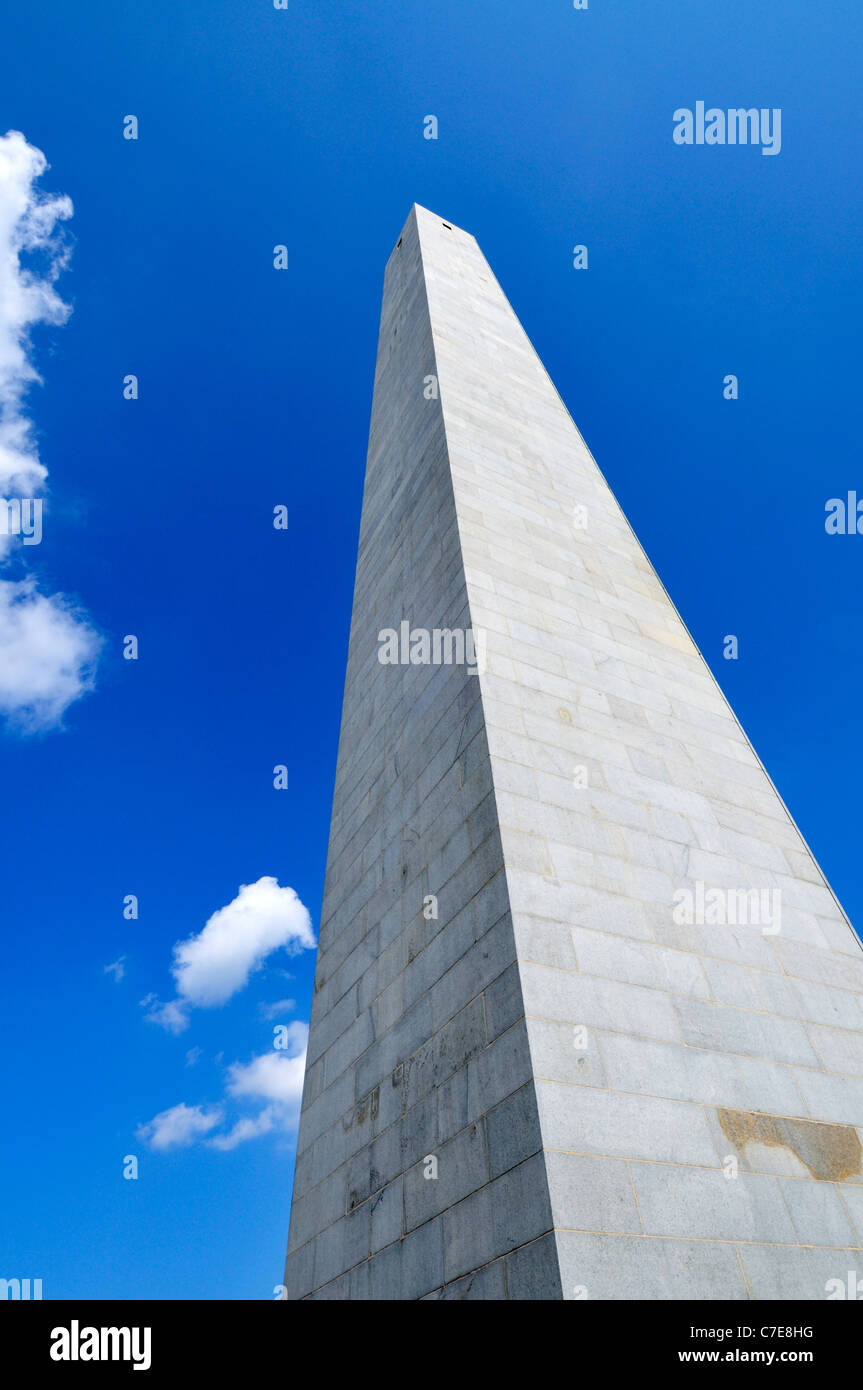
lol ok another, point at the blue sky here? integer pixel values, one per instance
(305, 127)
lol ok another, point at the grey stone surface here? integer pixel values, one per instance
(704, 1203)
(556, 1085)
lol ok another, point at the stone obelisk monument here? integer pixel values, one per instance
(588, 1021)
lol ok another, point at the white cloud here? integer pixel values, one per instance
(208, 969)
(275, 1077)
(28, 224)
(48, 649)
(47, 655)
(214, 965)
(117, 968)
(178, 1127)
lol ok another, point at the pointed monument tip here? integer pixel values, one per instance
(422, 215)
(427, 212)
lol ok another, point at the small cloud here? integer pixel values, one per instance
(48, 656)
(248, 1128)
(274, 1076)
(117, 969)
(214, 965)
(281, 1006)
(193, 1055)
(171, 1016)
(178, 1127)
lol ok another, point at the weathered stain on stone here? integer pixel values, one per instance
(832, 1153)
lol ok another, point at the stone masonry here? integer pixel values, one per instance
(588, 1021)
